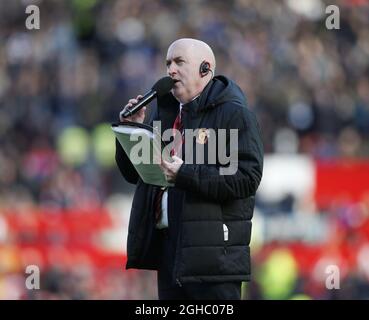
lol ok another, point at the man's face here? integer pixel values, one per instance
(182, 66)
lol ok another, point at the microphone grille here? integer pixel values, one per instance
(163, 86)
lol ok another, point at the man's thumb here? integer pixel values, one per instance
(175, 158)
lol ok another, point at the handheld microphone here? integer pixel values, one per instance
(160, 88)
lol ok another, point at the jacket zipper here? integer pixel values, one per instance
(176, 260)
(178, 251)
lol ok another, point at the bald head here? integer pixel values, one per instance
(199, 50)
(184, 58)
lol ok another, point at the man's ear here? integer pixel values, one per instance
(204, 68)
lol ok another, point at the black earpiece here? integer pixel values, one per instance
(204, 68)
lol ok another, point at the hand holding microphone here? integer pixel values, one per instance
(138, 116)
(134, 110)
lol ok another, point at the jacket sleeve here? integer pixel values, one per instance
(125, 166)
(208, 181)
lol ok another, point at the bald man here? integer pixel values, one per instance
(183, 60)
(197, 233)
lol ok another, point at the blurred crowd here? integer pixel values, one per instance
(63, 85)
